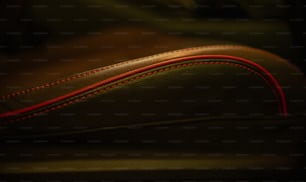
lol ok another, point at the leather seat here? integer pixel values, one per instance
(218, 81)
(253, 97)
(135, 91)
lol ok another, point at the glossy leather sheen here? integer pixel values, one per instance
(201, 83)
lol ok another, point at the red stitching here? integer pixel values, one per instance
(87, 73)
(137, 78)
(57, 82)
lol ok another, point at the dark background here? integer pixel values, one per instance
(274, 25)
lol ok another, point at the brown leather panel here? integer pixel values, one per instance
(285, 73)
(172, 96)
(61, 59)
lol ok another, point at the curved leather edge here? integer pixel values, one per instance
(105, 74)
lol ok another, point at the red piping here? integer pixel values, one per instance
(133, 72)
(87, 73)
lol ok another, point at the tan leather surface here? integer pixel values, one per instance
(61, 59)
(57, 62)
(116, 107)
(287, 75)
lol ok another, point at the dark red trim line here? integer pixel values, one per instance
(93, 71)
(133, 72)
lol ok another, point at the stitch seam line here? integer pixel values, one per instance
(122, 82)
(150, 73)
(135, 77)
(90, 72)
